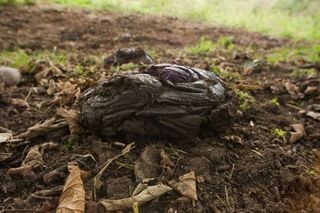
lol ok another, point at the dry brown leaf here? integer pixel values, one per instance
(292, 89)
(234, 139)
(148, 164)
(50, 68)
(49, 146)
(42, 128)
(186, 185)
(148, 194)
(310, 90)
(73, 119)
(40, 75)
(32, 161)
(20, 103)
(67, 93)
(52, 87)
(165, 160)
(314, 115)
(298, 133)
(4, 156)
(72, 199)
(151, 163)
(4, 137)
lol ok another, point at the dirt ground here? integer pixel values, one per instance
(247, 168)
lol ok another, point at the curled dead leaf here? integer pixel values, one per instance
(186, 185)
(49, 146)
(19, 103)
(73, 119)
(234, 139)
(148, 194)
(298, 133)
(310, 90)
(42, 128)
(292, 89)
(4, 137)
(152, 162)
(67, 93)
(148, 164)
(73, 194)
(49, 68)
(32, 161)
(314, 115)
(4, 156)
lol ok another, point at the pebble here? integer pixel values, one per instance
(9, 76)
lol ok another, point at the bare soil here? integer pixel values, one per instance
(244, 169)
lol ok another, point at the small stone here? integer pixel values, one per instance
(9, 76)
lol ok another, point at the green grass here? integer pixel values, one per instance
(275, 101)
(245, 99)
(299, 19)
(66, 60)
(280, 134)
(204, 46)
(310, 54)
(17, 58)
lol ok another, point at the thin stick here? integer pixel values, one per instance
(295, 107)
(126, 150)
(231, 172)
(3, 129)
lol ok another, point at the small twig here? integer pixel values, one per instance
(28, 95)
(176, 165)
(38, 197)
(257, 153)
(294, 107)
(3, 129)
(116, 143)
(96, 179)
(231, 172)
(231, 208)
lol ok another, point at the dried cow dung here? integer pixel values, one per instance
(163, 101)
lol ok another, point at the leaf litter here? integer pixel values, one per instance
(230, 176)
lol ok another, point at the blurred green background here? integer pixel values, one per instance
(297, 19)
